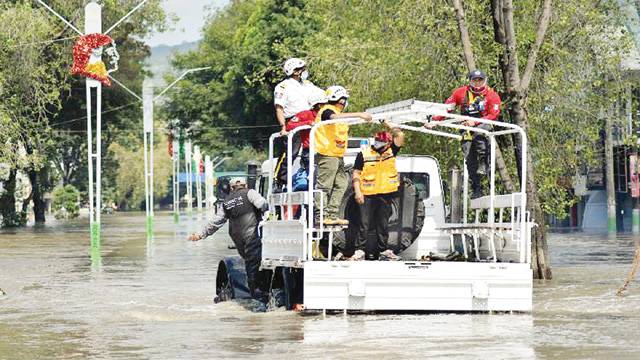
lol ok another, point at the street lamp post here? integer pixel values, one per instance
(187, 167)
(197, 156)
(176, 180)
(147, 114)
(93, 25)
(208, 183)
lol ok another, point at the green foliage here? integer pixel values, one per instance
(65, 203)
(29, 86)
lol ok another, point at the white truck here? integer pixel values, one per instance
(493, 269)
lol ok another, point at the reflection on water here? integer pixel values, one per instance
(141, 298)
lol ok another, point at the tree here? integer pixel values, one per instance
(29, 88)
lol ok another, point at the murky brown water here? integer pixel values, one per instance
(153, 300)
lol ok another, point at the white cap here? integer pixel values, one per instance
(238, 180)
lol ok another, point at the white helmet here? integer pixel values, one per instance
(335, 93)
(292, 64)
(317, 97)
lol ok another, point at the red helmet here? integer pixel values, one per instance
(383, 136)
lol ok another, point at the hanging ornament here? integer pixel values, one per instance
(170, 143)
(87, 57)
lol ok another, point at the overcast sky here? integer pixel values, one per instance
(191, 14)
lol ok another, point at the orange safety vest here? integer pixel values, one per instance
(331, 140)
(379, 175)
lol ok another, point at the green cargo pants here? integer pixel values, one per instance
(333, 180)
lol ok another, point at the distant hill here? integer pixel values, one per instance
(159, 61)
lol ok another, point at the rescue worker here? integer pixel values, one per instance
(243, 208)
(476, 100)
(290, 97)
(375, 183)
(331, 144)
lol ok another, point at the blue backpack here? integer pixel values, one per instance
(300, 180)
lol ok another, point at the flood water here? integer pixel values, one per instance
(153, 300)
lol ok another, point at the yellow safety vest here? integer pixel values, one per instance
(379, 175)
(331, 140)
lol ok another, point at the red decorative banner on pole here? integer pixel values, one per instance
(87, 53)
(170, 143)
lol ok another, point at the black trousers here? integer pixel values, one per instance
(249, 246)
(476, 152)
(374, 216)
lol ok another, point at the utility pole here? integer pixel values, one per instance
(611, 191)
(187, 168)
(196, 161)
(208, 183)
(93, 25)
(176, 181)
(147, 114)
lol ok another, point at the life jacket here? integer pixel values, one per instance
(243, 216)
(331, 140)
(379, 175)
(470, 99)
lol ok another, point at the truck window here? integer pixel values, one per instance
(421, 181)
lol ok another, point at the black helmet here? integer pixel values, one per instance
(477, 74)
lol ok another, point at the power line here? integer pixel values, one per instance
(41, 42)
(104, 112)
(214, 128)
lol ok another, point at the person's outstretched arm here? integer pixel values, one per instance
(212, 226)
(363, 115)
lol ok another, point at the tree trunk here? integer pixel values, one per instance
(464, 35)
(10, 217)
(539, 247)
(37, 194)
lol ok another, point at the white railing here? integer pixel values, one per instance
(401, 114)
